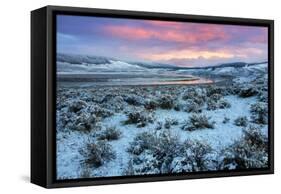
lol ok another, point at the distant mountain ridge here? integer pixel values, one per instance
(233, 64)
(82, 59)
(99, 62)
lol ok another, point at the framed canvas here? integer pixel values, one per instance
(126, 96)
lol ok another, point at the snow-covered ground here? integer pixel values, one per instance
(119, 118)
(85, 113)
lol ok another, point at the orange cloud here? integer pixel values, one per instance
(206, 54)
(188, 54)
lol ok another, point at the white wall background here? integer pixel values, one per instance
(15, 94)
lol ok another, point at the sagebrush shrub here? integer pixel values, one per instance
(134, 100)
(99, 111)
(110, 133)
(223, 103)
(251, 151)
(141, 142)
(192, 106)
(216, 101)
(241, 121)
(150, 104)
(194, 156)
(97, 153)
(139, 117)
(196, 95)
(169, 122)
(115, 104)
(159, 125)
(166, 102)
(198, 121)
(77, 105)
(153, 152)
(247, 91)
(84, 122)
(259, 112)
(215, 90)
(177, 107)
(263, 96)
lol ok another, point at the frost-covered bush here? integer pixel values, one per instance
(164, 150)
(262, 88)
(139, 117)
(216, 101)
(251, 151)
(83, 122)
(156, 153)
(144, 164)
(166, 102)
(241, 121)
(198, 121)
(64, 120)
(106, 98)
(159, 144)
(110, 133)
(254, 136)
(141, 142)
(169, 122)
(133, 99)
(263, 96)
(192, 106)
(259, 112)
(225, 120)
(194, 156)
(99, 111)
(223, 103)
(97, 153)
(150, 104)
(211, 105)
(215, 97)
(178, 106)
(115, 104)
(215, 90)
(77, 105)
(159, 125)
(196, 95)
(247, 90)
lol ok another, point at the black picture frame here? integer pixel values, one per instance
(43, 94)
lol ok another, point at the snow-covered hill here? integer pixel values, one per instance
(241, 71)
(248, 71)
(111, 66)
(81, 64)
(84, 64)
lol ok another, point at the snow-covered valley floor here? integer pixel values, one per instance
(115, 131)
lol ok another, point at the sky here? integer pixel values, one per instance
(175, 43)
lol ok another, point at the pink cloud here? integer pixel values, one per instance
(165, 24)
(259, 39)
(181, 33)
(127, 32)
